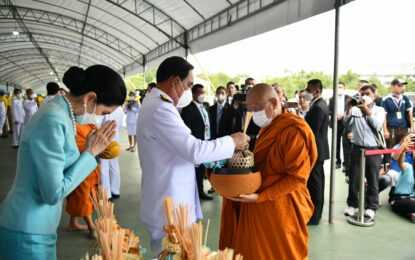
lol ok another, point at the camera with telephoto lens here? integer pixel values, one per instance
(356, 100)
(241, 95)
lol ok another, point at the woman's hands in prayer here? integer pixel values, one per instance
(99, 139)
(240, 140)
(246, 198)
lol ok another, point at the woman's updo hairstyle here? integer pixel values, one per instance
(104, 81)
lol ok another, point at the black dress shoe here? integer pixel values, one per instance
(211, 191)
(115, 196)
(338, 165)
(204, 196)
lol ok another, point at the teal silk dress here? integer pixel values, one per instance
(49, 167)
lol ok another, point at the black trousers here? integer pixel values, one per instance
(404, 207)
(315, 185)
(340, 128)
(372, 167)
(347, 145)
(200, 173)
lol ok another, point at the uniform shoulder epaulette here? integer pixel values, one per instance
(165, 98)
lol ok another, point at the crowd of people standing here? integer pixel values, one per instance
(177, 132)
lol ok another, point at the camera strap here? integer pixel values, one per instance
(380, 139)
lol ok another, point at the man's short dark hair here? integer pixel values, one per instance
(316, 83)
(365, 87)
(249, 79)
(230, 83)
(220, 87)
(196, 87)
(172, 67)
(52, 88)
(342, 83)
(152, 85)
(363, 81)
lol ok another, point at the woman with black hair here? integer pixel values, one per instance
(49, 164)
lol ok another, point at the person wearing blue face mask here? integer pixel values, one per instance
(49, 165)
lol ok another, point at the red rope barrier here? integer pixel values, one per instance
(384, 151)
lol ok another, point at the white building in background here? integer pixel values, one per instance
(387, 72)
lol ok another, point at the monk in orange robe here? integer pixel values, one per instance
(272, 223)
(79, 202)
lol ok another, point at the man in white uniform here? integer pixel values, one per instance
(110, 169)
(167, 150)
(2, 111)
(18, 115)
(29, 105)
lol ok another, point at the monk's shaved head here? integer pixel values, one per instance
(262, 92)
(262, 97)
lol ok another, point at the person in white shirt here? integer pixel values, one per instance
(110, 169)
(2, 111)
(168, 151)
(18, 115)
(303, 104)
(131, 109)
(29, 105)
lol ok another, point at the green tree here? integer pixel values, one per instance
(382, 89)
(351, 79)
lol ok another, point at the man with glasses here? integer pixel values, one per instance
(399, 117)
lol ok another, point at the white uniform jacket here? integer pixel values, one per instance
(168, 154)
(2, 116)
(18, 113)
(30, 108)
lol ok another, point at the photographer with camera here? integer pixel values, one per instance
(364, 119)
(131, 108)
(239, 103)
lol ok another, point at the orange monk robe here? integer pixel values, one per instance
(79, 203)
(275, 227)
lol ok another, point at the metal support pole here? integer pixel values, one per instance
(360, 216)
(186, 44)
(360, 220)
(144, 73)
(334, 112)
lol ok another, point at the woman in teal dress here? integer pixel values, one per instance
(49, 165)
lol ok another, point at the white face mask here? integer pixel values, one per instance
(308, 96)
(261, 119)
(221, 97)
(185, 99)
(368, 100)
(130, 97)
(87, 118)
(19, 95)
(340, 92)
(201, 98)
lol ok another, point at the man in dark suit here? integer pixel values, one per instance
(318, 120)
(196, 117)
(341, 108)
(222, 116)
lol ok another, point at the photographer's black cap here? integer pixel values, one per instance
(396, 82)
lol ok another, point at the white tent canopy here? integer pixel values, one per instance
(128, 35)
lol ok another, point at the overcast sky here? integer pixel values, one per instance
(373, 34)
